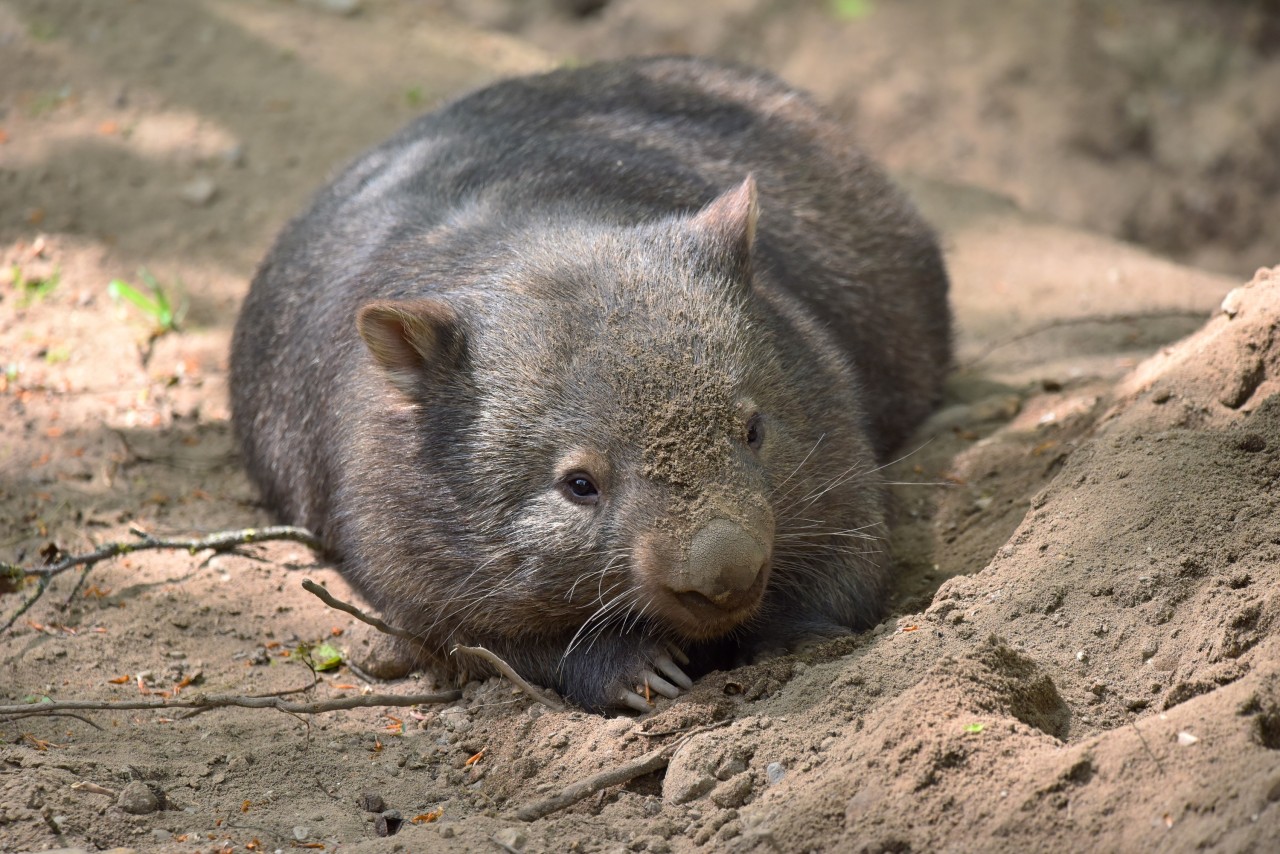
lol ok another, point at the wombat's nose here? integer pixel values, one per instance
(724, 563)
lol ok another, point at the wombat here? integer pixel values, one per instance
(596, 368)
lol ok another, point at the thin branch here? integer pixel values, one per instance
(218, 542)
(187, 715)
(516, 679)
(80, 718)
(42, 584)
(201, 701)
(654, 760)
(328, 598)
(478, 651)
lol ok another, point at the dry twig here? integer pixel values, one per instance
(480, 652)
(328, 598)
(647, 763)
(210, 701)
(218, 542)
(516, 679)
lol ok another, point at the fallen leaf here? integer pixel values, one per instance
(427, 817)
(474, 759)
(120, 680)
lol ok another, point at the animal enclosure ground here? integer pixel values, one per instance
(1083, 654)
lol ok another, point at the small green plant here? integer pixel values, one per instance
(850, 10)
(42, 31)
(151, 299)
(321, 657)
(974, 728)
(413, 96)
(33, 289)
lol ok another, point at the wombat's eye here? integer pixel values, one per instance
(755, 432)
(580, 488)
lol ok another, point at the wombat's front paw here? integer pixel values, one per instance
(623, 672)
(639, 695)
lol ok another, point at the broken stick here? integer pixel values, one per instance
(478, 651)
(218, 542)
(654, 760)
(515, 678)
(215, 701)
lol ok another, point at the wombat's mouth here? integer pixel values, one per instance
(698, 617)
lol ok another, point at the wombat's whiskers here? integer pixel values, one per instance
(593, 627)
(779, 496)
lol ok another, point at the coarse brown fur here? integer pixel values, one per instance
(543, 380)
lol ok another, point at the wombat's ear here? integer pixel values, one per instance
(729, 222)
(412, 340)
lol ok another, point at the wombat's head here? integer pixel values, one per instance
(625, 420)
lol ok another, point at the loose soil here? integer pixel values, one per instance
(1084, 653)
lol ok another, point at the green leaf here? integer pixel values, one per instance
(326, 656)
(153, 301)
(974, 728)
(122, 290)
(851, 10)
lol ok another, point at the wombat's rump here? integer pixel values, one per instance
(543, 379)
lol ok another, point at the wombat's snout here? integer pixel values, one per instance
(716, 585)
(724, 564)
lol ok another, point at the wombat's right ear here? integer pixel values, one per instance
(729, 223)
(412, 340)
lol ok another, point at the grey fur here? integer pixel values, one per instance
(566, 270)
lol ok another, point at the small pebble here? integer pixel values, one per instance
(388, 824)
(199, 191)
(372, 802)
(456, 720)
(337, 7)
(300, 833)
(1186, 738)
(511, 837)
(234, 155)
(137, 799)
(774, 772)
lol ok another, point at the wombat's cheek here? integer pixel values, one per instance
(707, 588)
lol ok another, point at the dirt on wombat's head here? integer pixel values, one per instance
(625, 397)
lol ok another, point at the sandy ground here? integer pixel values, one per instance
(1084, 652)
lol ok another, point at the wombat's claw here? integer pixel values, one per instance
(652, 682)
(634, 701)
(672, 671)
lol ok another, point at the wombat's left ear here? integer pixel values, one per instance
(413, 340)
(729, 222)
